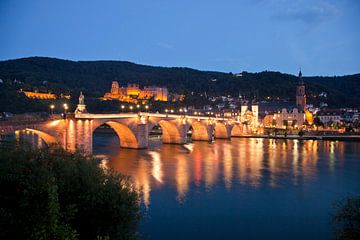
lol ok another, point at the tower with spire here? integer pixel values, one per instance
(300, 93)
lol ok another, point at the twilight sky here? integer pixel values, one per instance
(321, 36)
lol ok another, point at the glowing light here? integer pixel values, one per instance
(52, 106)
(156, 172)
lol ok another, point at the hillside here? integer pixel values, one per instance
(94, 78)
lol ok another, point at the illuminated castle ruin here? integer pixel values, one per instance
(133, 93)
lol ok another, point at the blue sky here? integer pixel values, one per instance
(321, 36)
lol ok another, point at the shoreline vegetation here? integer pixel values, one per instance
(53, 194)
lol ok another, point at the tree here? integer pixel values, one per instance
(346, 220)
(273, 122)
(317, 123)
(53, 194)
(285, 123)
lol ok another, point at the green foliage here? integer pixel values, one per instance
(53, 194)
(346, 219)
(94, 79)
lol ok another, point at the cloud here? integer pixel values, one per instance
(166, 46)
(313, 12)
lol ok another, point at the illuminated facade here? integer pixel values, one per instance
(133, 93)
(37, 95)
(43, 96)
(292, 118)
(300, 94)
(248, 115)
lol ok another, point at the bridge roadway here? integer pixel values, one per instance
(75, 132)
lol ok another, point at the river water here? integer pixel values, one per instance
(238, 189)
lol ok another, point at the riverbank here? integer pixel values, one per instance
(312, 137)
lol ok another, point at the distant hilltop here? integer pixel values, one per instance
(95, 77)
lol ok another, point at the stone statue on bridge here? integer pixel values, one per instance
(81, 99)
(81, 107)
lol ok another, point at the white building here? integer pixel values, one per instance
(293, 117)
(332, 116)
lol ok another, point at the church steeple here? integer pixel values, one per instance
(300, 93)
(300, 77)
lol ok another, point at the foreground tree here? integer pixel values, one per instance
(53, 194)
(346, 219)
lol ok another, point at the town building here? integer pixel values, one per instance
(330, 116)
(133, 93)
(39, 95)
(249, 113)
(293, 117)
(300, 93)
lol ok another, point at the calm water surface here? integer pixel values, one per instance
(238, 189)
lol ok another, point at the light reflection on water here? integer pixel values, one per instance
(249, 188)
(243, 188)
(250, 162)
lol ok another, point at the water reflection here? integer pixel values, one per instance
(242, 162)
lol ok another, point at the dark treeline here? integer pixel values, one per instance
(94, 79)
(53, 194)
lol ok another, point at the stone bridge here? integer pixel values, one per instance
(75, 132)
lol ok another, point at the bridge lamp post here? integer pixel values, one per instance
(122, 108)
(147, 107)
(166, 110)
(66, 107)
(52, 106)
(138, 107)
(131, 108)
(172, 110)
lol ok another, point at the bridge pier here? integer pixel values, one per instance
(76, 131)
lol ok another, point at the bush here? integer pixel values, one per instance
(346, 219)
(53, 194)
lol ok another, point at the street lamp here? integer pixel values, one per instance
(122, 108)
(166, 110)
(131, 108)
(147, 107)
(52, 106)
(66, 107)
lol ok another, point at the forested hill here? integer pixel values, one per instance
(94, 78)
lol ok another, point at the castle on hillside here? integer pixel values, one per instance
(133, 93)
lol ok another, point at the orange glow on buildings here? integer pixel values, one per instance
(44, 95)
(38, 95)
(133, 93)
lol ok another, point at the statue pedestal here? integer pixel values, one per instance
(81, 108)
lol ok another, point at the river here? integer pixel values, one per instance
(238, 189)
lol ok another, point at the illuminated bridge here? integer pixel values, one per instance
(75, 132)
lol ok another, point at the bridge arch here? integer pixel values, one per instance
(170, 132)
(236, 131)
(222, 130)
(201, 131)
(126, 136)
(47, 138)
